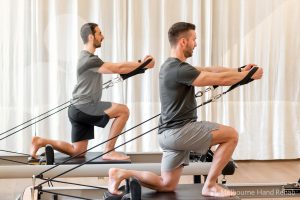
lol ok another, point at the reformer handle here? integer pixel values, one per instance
(141, 69)
(245, 80)
(248, 78)
(240, 68)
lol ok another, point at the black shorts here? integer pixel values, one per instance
(85, 116)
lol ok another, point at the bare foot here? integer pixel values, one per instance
(115, 156)
(217, 191)
(114, 180)
(35, 145)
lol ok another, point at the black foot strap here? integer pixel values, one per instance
(135, 189)
(49, 154)
(46, 157)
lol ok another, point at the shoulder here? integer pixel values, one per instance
(88, 61)
(170, 64)
(187, 73)
(186, 66)
(85, 55)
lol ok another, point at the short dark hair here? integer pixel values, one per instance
(177, 29)
(86, 30)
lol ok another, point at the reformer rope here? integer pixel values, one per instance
(245, 80)
(105, 85)
(33, 118)
(70, 183)
(32, 124)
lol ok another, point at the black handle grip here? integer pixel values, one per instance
(215, 86)
(141, 69)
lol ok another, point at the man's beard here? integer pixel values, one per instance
(97, 45)
(188, 53)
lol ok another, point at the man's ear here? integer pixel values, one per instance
(91, 37)
(182, 41)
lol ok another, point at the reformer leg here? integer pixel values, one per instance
(34, 192)
(197, 178)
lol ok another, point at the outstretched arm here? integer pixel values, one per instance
(123, 68)
(218, 69)
(227, 78)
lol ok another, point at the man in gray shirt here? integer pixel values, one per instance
(179, 132)
(87, 109)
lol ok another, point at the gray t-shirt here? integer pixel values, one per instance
(177, 94)
(89, 82)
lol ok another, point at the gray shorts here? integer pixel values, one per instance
(177, 143)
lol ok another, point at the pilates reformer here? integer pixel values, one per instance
(155, 167)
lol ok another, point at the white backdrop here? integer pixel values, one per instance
(40, 42)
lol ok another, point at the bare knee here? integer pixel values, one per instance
(79, 148)
(124, 110)
(234, 135)
(120, 110)
(78, 153)
(167, 188)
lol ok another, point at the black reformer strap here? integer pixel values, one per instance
(245, 80)
(141, 69)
